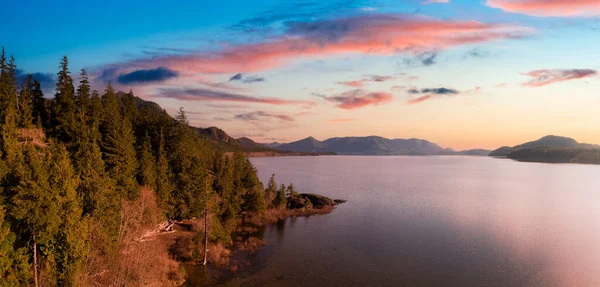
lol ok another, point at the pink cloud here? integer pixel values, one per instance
(420, 99)
(378, 34)
(398, 88)
(501, 85)
(356, 84)
(355, 99)
(372, 78)
(547, 77)
(549, 8)
(218, 96)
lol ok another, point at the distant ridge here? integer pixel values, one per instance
(552, 149)
(373, 145)
(547, 141)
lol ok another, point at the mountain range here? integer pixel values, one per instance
(373, 145)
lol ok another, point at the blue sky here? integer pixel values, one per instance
(461, 73)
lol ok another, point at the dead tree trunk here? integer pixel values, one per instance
(205, 235)
(35, 273)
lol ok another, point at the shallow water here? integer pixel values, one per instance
(435, 221)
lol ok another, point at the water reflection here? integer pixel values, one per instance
(437, 221)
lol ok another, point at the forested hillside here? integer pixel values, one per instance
(83, 173)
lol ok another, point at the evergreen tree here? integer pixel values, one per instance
(9, 138)
(280, 199)
(14, 270)
(130, 110)
(271, 190)
(36, 209)
(26, 102)
(71, 246)
(82, 99)
(164, 185)
(147, 173)
(118, 145)
(39, 107)
(64, 108)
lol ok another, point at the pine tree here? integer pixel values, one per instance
(64, 108)
(280, 200)
(82, 99)
(130, 110)
(26, 103)
(9, 138)
(14, 270)
(118, 145)
(147, 172)
(36, 208)
(271, 190)
(71, 247)
(164, 185)
(39, 107)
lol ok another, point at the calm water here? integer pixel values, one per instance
(435, 221)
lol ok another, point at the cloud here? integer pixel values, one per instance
(236, 77)
(258, 115)
(377, 34)
(547, 77)
(370, 78)
(434, 2)
(419, 99)
(47, 80)
(191, 94)
(476, 53)
(431, 93)
(358, 98)
(157, 75)
(397, 88)
(436, 91)
(248, 80)
(423, 59)
(501, 85)
(549, 8)
(341, 120)
(296, 11)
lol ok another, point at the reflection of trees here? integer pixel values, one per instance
(280, 225)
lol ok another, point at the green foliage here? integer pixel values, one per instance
(67, 194)
(118, 145)
(26, 102)
(64, 109)
(14, 269)
(148, 171)
(271, 190)
(280, 199)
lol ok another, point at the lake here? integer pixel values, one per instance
(434, 221)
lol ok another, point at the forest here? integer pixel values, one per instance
(85, 174)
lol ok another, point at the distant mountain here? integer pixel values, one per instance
(309, 144)
(372, 145)
(552, 149)
(547, 141)
(252, 146)
(273, 144)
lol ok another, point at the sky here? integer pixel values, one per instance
(461, 73)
